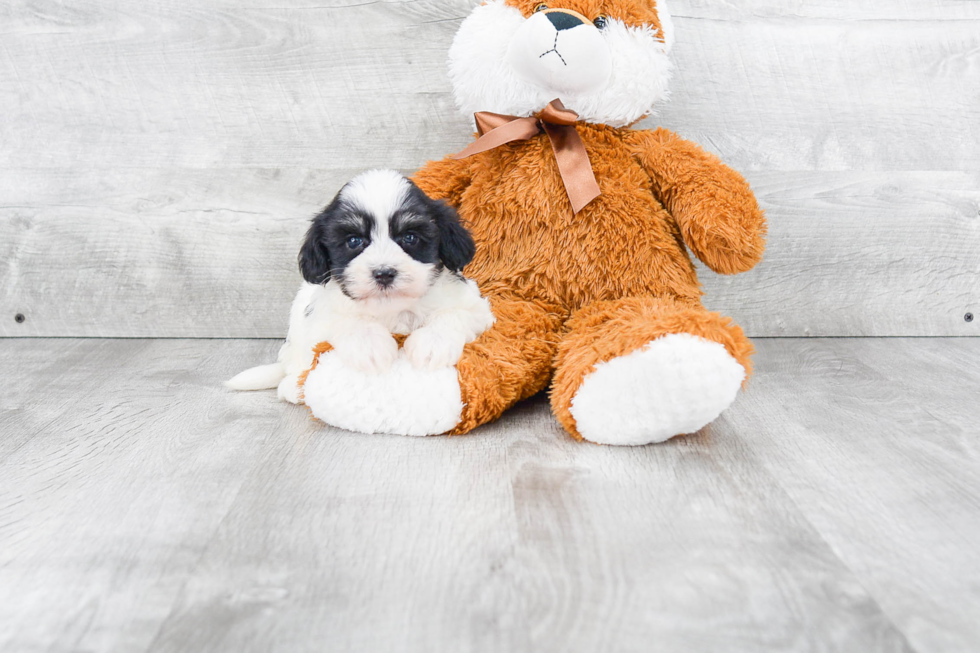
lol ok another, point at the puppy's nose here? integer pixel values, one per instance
(564, 20)
(385, 276)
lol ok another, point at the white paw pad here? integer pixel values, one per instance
(429, 349)
(403, 400)
(676, 384)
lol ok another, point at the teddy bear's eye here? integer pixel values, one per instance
(600, 21)
(540, 7)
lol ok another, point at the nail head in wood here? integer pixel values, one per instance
(19, 318)
(968, 317)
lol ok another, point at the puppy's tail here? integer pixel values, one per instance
(262, 377)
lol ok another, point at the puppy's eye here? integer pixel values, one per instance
(354, 242)
(601, 21)
(410, 239)
(540, 7)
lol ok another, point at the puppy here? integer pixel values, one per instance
(381, 259)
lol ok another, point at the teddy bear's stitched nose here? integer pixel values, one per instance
(562, 20)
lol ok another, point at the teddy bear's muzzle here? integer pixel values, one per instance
(561, 53)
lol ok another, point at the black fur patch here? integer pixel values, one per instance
(326, 252)
(427, 230)
(445, 240)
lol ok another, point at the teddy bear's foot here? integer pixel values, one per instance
(403, 400)
(676, 384)
(639, 370)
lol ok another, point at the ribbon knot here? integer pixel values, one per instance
(558, 123)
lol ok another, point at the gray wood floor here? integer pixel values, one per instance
(835, 507)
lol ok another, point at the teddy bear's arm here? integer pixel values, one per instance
(444, 180)
(718, 215)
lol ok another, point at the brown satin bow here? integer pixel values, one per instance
(559, 123)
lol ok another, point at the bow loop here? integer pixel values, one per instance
(556, 114)
(558, 123)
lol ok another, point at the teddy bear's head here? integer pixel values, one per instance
(605, 59)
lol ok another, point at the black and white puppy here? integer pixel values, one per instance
(383, 258)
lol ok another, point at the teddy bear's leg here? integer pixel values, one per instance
(640, 370)
(511, 361)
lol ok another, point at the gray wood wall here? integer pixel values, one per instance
(159, 160)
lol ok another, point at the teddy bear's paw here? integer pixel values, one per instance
(404, 400)
(676, 384)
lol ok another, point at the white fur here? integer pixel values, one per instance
(257, 378)
(378, 192)
(440, 309)
(570, 61)
(413, 276)
(418, 393)
(451, 313)
(666, 23)
(484, 79)
(404, 400)
(676, 384)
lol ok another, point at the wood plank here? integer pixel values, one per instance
(106, 508)
(860, 254)
(186, 84)
(212, 253)
(154, 253)
(875, 440)
(122, 83)
(836, 10)
(94, 243)
(73, 371)
(791, 93)
(517, 539)
(163, 513)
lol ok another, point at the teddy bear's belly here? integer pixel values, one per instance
(605, 252)
(622, 244)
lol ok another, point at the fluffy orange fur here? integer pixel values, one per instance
(631, 12)
(318, 351)
(570, 291)
(606, 330)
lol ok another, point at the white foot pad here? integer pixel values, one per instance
(675, 384)
(404, 400)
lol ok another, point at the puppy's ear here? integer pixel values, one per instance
(456, 247)
(314, 259)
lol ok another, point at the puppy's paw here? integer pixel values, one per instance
(371, 349)
(288, 389)
(432, 349)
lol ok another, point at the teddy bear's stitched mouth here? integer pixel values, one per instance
(555, 50)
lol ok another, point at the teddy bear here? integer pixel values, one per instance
(583, 227)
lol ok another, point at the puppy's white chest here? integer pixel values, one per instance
(405, 322)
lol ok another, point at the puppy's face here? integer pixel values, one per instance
(383, 238)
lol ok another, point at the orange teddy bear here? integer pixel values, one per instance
(587, 272)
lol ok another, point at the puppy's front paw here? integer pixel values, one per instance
(371, 349)
(432, 349)
(288, 389)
